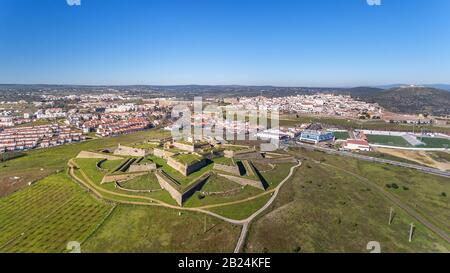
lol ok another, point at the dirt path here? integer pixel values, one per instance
(417, 156)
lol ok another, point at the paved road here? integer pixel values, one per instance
(371, 159)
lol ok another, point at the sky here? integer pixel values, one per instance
(249, 42)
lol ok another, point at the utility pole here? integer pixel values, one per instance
(411, 232)
(204, 225)
(391, 214)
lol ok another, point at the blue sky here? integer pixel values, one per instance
(251, 42)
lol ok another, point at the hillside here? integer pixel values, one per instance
(414, 100)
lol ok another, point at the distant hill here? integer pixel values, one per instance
(360, 92)
(414, 100)
(445, 87)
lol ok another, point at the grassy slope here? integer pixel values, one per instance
(148, 229)
(324, 210)
(242, 210)
(145, 182)
(424, 191)
(50, 213)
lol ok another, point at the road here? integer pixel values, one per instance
(371, 159)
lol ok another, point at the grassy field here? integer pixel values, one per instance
(37, 164)
(145, 182)
(388, 140)
(155, 230)
(47, 215)
(110, 165)
(325, 210)
(242, 210)
(187, 159)
(421, 191)
(435, 142)
(280, 172)
(341, 135)
(224, 161)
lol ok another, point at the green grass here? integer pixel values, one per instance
(341, 135)
(187, 159)
(110, 165)
(146, 146)
(50, 213)
(388, 140)
(155, 230)
(278, 174)
(88, 165)
(326, 210)
(424, 190)
(224, 161)
(145, 182)
(435, 142)
(243, 210)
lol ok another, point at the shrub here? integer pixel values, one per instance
(443, 194)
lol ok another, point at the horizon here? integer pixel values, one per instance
(306, 43)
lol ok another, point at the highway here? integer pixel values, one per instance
(369, 158)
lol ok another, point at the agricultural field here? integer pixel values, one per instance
(388, 140)
(49, 214)
(323, 209)
(37, 164)
(141, 229)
